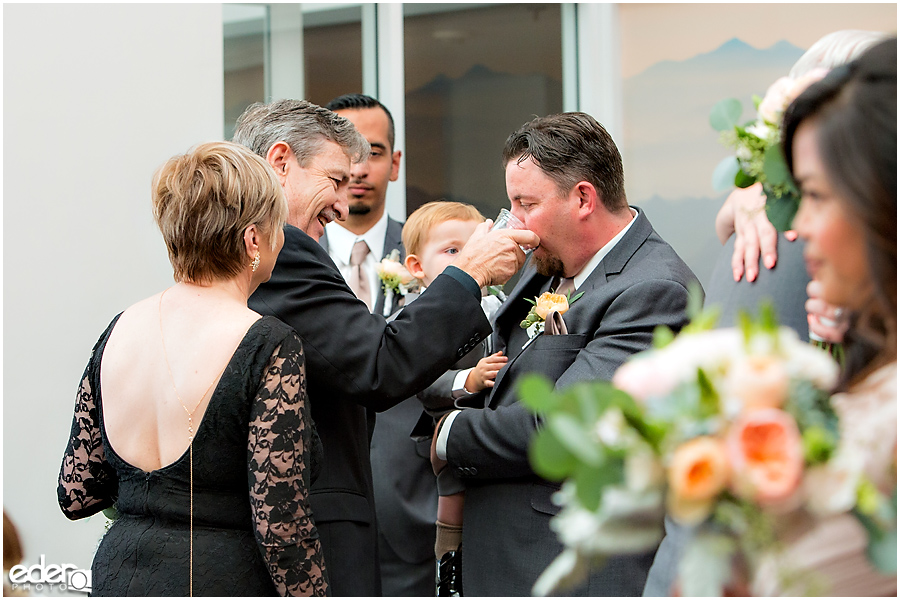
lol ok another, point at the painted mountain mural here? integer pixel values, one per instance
(669, 148)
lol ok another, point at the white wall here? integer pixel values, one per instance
(96, 97)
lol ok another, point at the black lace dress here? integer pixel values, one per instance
(252, 459)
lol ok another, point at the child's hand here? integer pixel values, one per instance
(484, 373)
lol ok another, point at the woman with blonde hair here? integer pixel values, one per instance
(192, 415)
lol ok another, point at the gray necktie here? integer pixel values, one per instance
(359, 281)
(566, 286)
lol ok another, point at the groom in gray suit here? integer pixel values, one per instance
(565, 181)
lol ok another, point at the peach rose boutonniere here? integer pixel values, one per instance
(543, 305)
(395, 279)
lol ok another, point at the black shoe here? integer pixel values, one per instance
(449, 581)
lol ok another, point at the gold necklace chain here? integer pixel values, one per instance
(190, 415)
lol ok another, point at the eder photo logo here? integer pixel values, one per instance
(43, 577)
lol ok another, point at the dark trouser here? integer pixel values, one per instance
(400, 578)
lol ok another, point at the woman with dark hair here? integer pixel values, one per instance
(840, 142)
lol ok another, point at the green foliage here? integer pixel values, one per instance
(590, 481)
(662, 336)
(818, 445)
(725, 114)
(724, 173)
(709, 397)
(815, 417)
(567, 445)
(549, 458)
(706, 567)
(878, 515)
(536, 393)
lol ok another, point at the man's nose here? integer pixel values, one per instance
(359, 170)
(341, 206)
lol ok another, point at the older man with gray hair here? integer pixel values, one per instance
(356, 362)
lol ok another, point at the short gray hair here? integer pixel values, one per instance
(302, 125)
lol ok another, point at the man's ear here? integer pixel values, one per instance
(395, 165)
(280, 157)
(414, 267)
(588, 198)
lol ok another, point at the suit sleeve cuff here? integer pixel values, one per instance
(440, 447)
(465, 279)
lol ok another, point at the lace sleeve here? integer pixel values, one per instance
(279, 476)
(87, 483)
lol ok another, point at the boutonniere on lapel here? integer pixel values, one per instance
(543, 305)
(395, 279)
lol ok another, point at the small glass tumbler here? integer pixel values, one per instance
(507, 220)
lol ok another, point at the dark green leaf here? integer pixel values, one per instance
(577, 296)
(742, 180)
(781, 211)
(725, 114)
(549, 458)
(536, 393)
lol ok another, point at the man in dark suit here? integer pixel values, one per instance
(565, 181)
(367, 220)
(404, 486)
(354, 359)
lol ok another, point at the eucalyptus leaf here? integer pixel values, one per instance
(724, 173)
(536, 393)
(590, 481)
(573, 435)
(725, 114)
(549, 458)
(706, 565)
(882, 551)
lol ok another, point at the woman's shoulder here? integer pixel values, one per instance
(274, 330)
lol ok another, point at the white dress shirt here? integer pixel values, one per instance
(340, 246)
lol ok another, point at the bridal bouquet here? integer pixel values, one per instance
(757, 144)
(726, 431)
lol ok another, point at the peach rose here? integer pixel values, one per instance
(549, 302)
(766, 455)
(392, 268)
(760, 382)
(699, 469)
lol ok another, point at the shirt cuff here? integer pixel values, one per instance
(440, 447)
(465, 279)
(459, 384)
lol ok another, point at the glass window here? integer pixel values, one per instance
(474, 74)
(332, 50)
(678, 60)
(245, 33)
